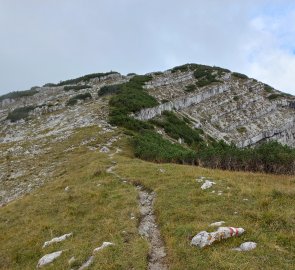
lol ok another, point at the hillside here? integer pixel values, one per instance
(69, 165)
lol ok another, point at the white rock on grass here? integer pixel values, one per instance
(217, 224)
(104, 245)
(48, 258)
(207, 184)
(87, 263)
(57, 239)
(204, 238)
(91, 258)
(246, 246)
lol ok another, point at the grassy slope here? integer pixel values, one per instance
(101, 213)
(96, 209)
(183, 210)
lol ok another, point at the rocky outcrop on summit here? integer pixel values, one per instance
(237, 110)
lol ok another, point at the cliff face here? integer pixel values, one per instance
(238, 110)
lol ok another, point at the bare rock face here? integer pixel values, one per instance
(236, 110)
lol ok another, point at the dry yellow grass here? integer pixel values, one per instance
(98, 208)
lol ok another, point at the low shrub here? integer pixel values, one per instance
(85, 78)
(151, 146)
(76, 87)
(109, 90)
(178, 128)
(19, 94)
(73, 100)
(240, 75)
(20, 113)
(190, 88)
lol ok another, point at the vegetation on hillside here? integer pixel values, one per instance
(19, 94)
(76, 87)
(240, 75)
(109, 90)
(73, 100)
(20, 113)
(85, 78)
(130, 97)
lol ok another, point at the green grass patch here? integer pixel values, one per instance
(183, 210)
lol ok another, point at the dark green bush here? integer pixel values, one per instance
(73, 100)
(240, 75)
(49, 85)
(19, 94)
(177, 128)
(85, 78)
(151, 146)
(76, 87)
(274, 96)
(205, 76)
(270, 157)
(132, 96)
(190, 88)
(109, 90)
(268, 88)
(20, 113)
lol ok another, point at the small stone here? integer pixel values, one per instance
(246, 246)
(67, 189)
(104, 149)
(104, 245)
(207, 184)
(71, 261)
(217, 224)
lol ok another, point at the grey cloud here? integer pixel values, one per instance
(48, 41)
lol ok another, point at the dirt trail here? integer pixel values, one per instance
(148, 226)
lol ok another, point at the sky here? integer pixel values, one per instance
(53, 40)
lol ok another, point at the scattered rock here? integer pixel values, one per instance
(104, 149)
(48, 258)
(57, 239)
(246, 246)
(162, 170)
(207, 184)
(67, 188)
(71, 260)
(217, 224)
(87, 263)
(104, 245)
(91, 258)
(204, 238)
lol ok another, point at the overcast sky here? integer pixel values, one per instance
(45, 41)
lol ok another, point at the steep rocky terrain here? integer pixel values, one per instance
(232, 108)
